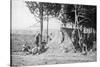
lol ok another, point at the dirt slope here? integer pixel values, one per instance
(55, 46)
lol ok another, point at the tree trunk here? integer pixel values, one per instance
(47, 26)
(77, 26)
(41, 22)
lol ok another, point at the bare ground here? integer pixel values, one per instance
(54, 55)
(29, 60)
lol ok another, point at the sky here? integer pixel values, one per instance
(23, 19)
(21, 16)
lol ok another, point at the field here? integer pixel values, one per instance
(54, 55)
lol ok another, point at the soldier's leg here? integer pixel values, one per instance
(85, 49)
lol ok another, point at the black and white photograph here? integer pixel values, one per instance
(45, 33)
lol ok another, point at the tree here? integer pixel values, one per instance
(52, 9)
(66, 14)
(41, 9)
(83, 17)
(36, 8)
(80, 15)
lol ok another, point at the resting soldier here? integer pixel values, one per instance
(25, 48)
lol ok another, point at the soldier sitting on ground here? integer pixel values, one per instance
(34, 50)
(42, 47)
(25, 48)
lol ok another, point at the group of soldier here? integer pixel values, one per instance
(86, 42)
(38, 48)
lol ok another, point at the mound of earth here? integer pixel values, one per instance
(56, 47)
